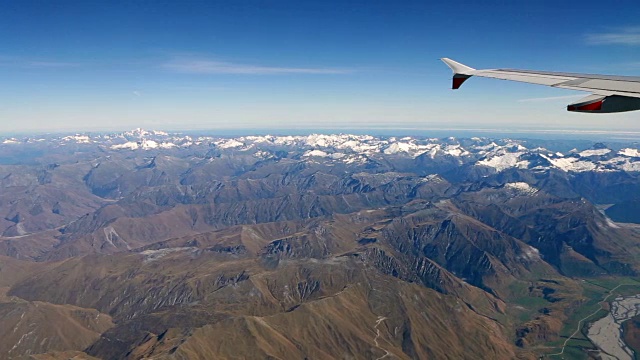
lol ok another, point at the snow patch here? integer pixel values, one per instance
(571, 164)
(596, 152)
(433, 178)
(531, 253)
(398, 147)
(143, 144)
(132, 145)
(167, 145)
(151, 255)
(262, 154)
(505, 161)
(521, 187)
(610, 223)
(317, 153)
(149, 144)
(354, 159)
(493, 145)
(455, 150)
(320, 153)
(81, 139)
(229, 143)
(629, 152)
(623, 163)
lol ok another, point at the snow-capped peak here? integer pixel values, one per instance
(143, 144)
(521, 187)
(81, 139)
(629, 152)
(502, 160)
(228, 143)
(594, 152)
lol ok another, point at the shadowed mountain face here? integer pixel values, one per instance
(156, 245)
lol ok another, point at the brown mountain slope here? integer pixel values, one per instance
(13, 270)
(365, 321)
(570, 234)
(314, 276)
(36, 327)
(61, 355)
(34, 199)
(229, 255)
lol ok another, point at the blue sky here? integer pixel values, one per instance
(90, 65)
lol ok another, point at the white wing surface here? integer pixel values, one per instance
(608, 93)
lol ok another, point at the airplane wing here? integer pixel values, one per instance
(609, 94)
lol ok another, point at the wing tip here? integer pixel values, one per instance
(457, 67)
(461, 72)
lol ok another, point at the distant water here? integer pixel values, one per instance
(627, 212)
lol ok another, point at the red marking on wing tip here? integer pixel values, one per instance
(457, 82)
(594, 106)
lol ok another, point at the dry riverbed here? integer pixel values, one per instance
(606, 333)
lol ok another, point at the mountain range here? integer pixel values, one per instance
(172, 246)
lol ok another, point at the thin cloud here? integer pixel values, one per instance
(630, 65)
(552, 98)
(136, 93)
(51, 64)
(221, 67)
(12, 61)
(629, 36)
